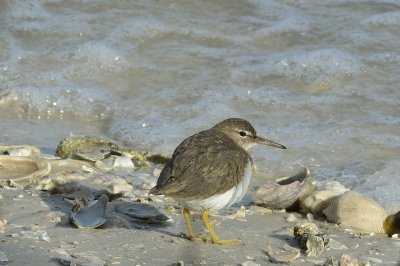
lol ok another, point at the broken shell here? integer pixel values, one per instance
(310, 239)
(115, 162)
(279, 258)
(317, 201)
(22, 170)
(94, 149)
(142, 211)
(362, 214)
(86, 147)
(284, 193)
(69, 165)
(90, 216)
(19, 150)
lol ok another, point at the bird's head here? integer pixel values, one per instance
(243, 133)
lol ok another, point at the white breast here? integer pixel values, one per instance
(225, 199)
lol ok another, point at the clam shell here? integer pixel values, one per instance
(356, 211)
(22, 170)
(142, 211)
(284, 193)
(19, 150)
(317, 201)
(90, 216)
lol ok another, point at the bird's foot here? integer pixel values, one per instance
(195, 238)
(233, 242)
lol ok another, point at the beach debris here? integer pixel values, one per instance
(285, 192)
(310, 239)
(344, 260)
(291, 218)
(3, 225)
(3, 258)
(89, 214)
(22, 170)
(282, 258)
(362, 214)
(142, 211)
(33, 234)
(114, 161)
(90, 194)
(19, 150)
(78, 259)
(118, 185)
(239, 215)
(258, 210)
(95, 149)
(88, 148)
(65, 166)
(249, 263)
(330, 185)
(317, 201)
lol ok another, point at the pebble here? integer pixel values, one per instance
(3, 224)
(3, 258)
(39, 234)
(346, 260)
(291, 218)
(249, 263)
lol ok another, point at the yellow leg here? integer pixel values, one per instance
(214, 237)
(186, 214)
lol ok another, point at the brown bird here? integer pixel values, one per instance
(211, 170)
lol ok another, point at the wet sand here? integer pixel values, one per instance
(149, 244)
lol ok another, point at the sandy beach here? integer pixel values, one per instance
(39, 232)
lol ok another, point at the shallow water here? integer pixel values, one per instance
(319, 77)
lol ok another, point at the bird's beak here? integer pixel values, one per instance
(260, 140)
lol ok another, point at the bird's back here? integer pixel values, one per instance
(203, 165)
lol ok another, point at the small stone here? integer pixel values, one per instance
(315, 246)
(395, 236)
(249, 263)
(282, 258)
(3, 224)
(291, 218)
(346, 260)
(88, 169)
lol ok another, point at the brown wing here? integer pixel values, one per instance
(200, 171)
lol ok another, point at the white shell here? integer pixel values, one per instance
(356, 211)
(317, 201)
(22, 170)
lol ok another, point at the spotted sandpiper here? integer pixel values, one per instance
(211, 170)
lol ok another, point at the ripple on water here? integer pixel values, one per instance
(313, 67)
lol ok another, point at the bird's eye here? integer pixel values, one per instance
(242, 133)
